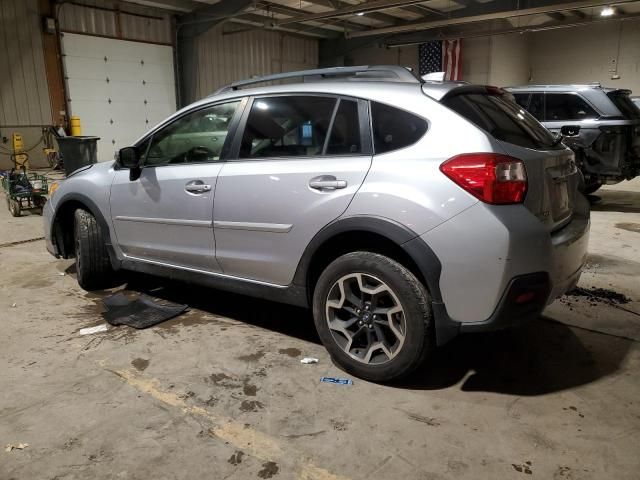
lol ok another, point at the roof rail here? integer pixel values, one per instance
(393, 73)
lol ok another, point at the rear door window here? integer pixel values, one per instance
(502, 118)
(536, 106)
(345, 131)
(394, 128)
(568, 106)
(287, 126)
(522, 99)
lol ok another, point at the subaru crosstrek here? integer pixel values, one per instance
(403, 212)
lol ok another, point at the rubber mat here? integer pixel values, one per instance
(140, 312)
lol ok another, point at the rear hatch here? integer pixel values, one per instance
(625, 137)
(551, 169)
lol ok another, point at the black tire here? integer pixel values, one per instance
(413, 299)
(93, 268)
(591, 188)
(14, 207)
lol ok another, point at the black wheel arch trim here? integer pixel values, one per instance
(415, 247)
(97, 213)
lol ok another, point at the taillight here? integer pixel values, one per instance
(490, 177)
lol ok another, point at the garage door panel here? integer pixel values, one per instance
(154, 72)
(85, 68)
(126, 71)
(159, 92)
(116, 110)
(82, 89)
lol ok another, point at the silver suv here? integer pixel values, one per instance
(403, 212)
(602, 126)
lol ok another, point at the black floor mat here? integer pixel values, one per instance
(140, 312)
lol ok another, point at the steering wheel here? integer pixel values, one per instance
(198, 153)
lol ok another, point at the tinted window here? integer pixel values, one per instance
(566, 106)
(536, 106)
(287, 127)
(504, 119)
(394, 128)
(624, 103)
(345, 132)
(522, 99)
(194, 138)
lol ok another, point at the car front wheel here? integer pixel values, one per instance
(373, 315)
(93, 267)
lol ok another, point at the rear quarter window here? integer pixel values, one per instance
(503, 119)
(626, 106)
(394, 129)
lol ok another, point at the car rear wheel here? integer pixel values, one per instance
(93, 267)
(373, 316)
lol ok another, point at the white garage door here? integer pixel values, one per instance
(119, 89)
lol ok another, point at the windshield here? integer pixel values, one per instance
(625, 104)
(504, 119)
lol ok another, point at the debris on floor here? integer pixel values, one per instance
(308, 360)
(139, 312)
(19, 446)
(339, 381)
(599, 295)
(103, 327)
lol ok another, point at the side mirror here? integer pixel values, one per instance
(128, 157)
(570, 130)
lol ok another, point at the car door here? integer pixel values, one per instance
(300, 160)
(166, 215)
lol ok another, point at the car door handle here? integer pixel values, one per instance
(327, 183)
(197, 186)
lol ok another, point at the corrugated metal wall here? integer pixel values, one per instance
(227, 57)
(24, 95)
(98, 17)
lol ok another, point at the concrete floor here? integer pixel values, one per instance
(220, 391)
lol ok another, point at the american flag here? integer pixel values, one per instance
(441, 56)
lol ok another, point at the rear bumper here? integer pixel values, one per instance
(525, 298)
(490, 255)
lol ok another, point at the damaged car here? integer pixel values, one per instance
(601, 125)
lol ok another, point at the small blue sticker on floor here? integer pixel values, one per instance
(339, 381)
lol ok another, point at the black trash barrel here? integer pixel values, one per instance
(77, 152)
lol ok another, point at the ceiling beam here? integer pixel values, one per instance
(556, 16)
(423, 10)
(367, 8)
(442, 34)
(258, 22)
(175, 5)
(464, 19)
(289, 11)
(335, 4)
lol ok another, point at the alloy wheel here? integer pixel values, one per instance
(365, 318)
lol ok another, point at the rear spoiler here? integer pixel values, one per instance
(481, 89)
(618, 91)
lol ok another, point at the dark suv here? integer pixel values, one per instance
(602, 125)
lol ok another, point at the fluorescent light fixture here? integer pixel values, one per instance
(360, 14)
(607, 12)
